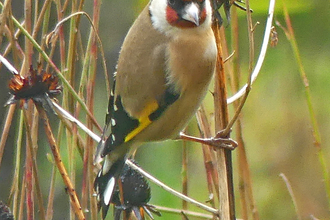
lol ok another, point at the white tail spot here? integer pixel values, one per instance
(109, 190)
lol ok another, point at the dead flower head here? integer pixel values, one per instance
(38, 87)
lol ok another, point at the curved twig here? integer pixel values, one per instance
(59, 24)
(262, 55)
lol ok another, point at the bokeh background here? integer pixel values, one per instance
(276, 126)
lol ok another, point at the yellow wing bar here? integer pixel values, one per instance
(144, 120)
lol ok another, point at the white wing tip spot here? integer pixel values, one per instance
(115, 107)
(113, 122)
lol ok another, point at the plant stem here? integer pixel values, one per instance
(315, 129)
(57, 157)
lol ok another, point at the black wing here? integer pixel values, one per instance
(123, 126)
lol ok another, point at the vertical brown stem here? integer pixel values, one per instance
(226, 191)
(24, 72)
(209, 157)
(28, 46)
(31, 137)
(90, 102)
(29, 179)
(235, 79)
(6, 128)
(21, 203)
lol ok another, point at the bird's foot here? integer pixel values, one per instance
(218, 141)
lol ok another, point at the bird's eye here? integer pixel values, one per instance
(171, 2)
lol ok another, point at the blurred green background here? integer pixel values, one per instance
(276, 126)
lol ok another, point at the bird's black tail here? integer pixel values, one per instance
(105, 183)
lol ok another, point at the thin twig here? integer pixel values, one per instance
(180, 211)
(312, 217)
(81, 144)
(184, 174)
(21, 203)
(229, 57)
(187, 213)
(34, 166)
(40, 19)
(170, 190)
(234, 77)
(29, 202)
(68, 116)
(59, 24)
(8, 65)
(70, 190)
(50, 210)
(68, 100)
(251, 40)
(253, 74)
(262, 54)
(18, 150)
(209, 157)
(5, 130)
(315, 128)
(289, 187)
(90, 90)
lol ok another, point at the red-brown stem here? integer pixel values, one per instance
(60, 11)
(235, 79)
(28, 186)
(209, 157)
(90, 101)
(25, 66)
(58, 161)
(27, 62)
(29, 178)
(31, 135)
(121, 191)
(6, 128)
(21, 204)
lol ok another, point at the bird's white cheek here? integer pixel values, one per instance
(158, 9)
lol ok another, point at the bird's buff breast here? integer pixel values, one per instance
(193, 78)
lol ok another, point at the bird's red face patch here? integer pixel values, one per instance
(175, 9)
(171, 15)
(202, 16)
(173, 19)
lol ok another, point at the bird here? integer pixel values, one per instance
(164, 69)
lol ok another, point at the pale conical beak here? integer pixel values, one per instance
(191, 13)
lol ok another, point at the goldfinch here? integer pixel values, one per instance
(164, 70)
